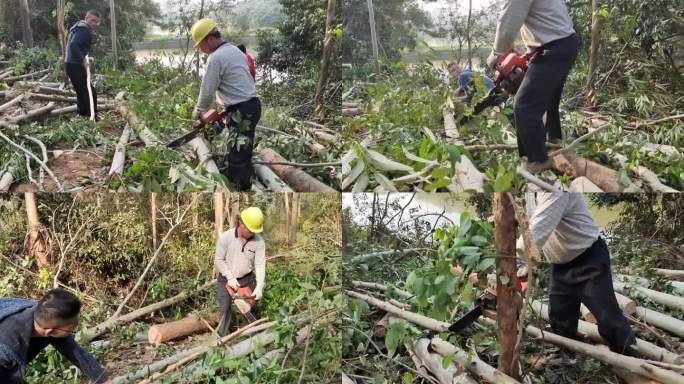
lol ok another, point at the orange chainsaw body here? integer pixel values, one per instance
(242, 293)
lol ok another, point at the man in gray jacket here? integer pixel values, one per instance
(546, 29)
(227, 76)
(27, 327)
(562, 226)
(240, 259)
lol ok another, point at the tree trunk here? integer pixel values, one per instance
(670, 273)
(627, 305)
(161, 333)
(662, 321)
(590, 331)
(508, 301)
(374, 37)
(61, 31)
(325, 60)
(433, 363)
(468, 35)
(26, 32)
(296, 178)
(676, 302)
(294, 217)
(471, 362)
(593, 56)
(37, 242)
(112, 19)
(91, 333)
(153, 218)
(631, 364)
(286, 206)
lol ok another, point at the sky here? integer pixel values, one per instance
(434, 8)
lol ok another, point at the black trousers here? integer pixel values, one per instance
(587, 279)
(225, 301)
(540, 93)
(243, 120)
(79, 79)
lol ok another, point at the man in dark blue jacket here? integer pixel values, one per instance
(78, 46)
(27, 327)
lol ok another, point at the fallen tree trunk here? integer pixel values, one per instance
(120, 153)
(351, 112)
(6, 180)
(433, 363)
(472, 363)
(423, 321)
(201, 148)
(12, 103)
(270, 179)
(161, 333)
(91, 333)
(673, 301)
(380, 287)
(661, 321)
(152, 371)
(670, 273)
(631, 364)
(590, 331)
(346, 379)
(374, 255)
(57, 98)
(568, 162)
(148, 137)
(72, 108)
(450, 128)
(26, 76)
(627, 305)
(299, 180)
(34, 114)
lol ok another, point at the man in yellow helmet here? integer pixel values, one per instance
(241, 261)
(227, 77)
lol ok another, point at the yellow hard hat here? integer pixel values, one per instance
(201, 29)
(253, 219)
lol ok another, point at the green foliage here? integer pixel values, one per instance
(34, 59)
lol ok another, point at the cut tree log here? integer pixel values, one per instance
(346, 379)
(91, 333)
(34, 114)
(631, 364)
(633, 378)
(672, 301)
(73, 108)
(627, 305)
(660, 320)
(433, 364)
(26, 76)
(6, 179)
(670, 273)
(12, 102)
(590, 331)
(351, 112)
(270, 179)
(583, 184)
(56, 98)
(119, 158)
(147, 136)
(297, 179)
(380, 287)
(374, 255)
(380, 327)
(450, 128)
(161, 333)
(201, 148)
(472, 363)
(568, 162)
(152, 372)
(423, 321)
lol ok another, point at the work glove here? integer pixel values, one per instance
(258, 293)
(233, 284)
(196, 114)
(492, 60)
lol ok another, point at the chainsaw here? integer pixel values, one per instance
(243, 301)
(209, 125)
(508, 75)
(486, 301)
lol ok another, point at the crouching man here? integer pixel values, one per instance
(27, 327)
